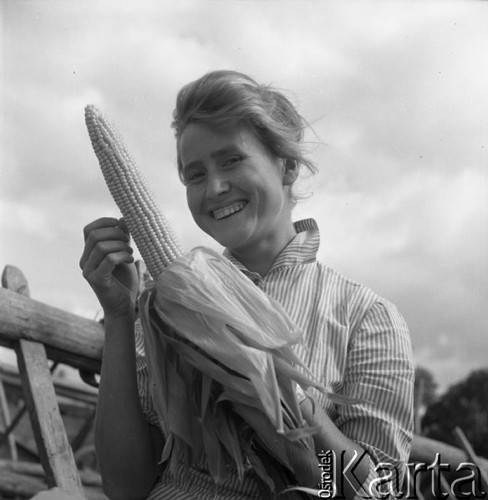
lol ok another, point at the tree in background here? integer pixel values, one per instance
(425, 393)
(465, 405)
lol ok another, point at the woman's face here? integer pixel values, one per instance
(237, 191)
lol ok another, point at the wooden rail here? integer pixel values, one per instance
(68, 338)
(69, 395)
(30, 327)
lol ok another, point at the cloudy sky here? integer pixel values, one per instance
(395, 92)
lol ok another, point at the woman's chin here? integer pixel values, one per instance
(233, 238)
(230, 242)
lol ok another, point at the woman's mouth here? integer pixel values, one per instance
(228, 210)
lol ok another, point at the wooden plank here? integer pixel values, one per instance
(64, 388)
(83, 433)
(18, 485)
(5, 420)
(13, 424)
(63, 333)
(466, 446)
(88, 477)
(445, 487)
(13, 279)
(52, 442)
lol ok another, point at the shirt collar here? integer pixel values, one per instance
(301, 249)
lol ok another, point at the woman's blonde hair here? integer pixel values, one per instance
(227, 98)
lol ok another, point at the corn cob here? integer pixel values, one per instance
(150, 230)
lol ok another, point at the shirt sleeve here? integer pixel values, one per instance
(143, 378)
(380, 370)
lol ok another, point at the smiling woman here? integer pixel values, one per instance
(239, 155)
(239, 150)
(237, 192)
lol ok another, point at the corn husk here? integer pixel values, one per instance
(219, 352)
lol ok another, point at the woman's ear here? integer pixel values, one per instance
(290, 172)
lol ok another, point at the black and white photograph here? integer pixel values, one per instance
(244, 249)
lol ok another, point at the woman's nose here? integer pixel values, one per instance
(217, 185)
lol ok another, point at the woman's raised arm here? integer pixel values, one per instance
(127, 447)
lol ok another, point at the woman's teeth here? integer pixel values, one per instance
(223, 212)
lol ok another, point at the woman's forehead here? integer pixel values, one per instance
(202, 140)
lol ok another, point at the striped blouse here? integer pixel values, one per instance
(355, 342)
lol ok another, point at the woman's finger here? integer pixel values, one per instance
(99, 223)
(99, 235)
(105, 270)
(123, 225)
(90, 263)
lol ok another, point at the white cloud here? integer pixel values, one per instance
(25, 218)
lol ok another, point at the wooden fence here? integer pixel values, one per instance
(39, 333)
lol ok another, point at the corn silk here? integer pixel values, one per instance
(219, 354)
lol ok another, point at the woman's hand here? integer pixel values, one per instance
(330, 438)
(108, 266)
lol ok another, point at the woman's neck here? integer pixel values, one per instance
(261, 259)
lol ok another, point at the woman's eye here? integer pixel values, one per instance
(232, 161)
(193, 177)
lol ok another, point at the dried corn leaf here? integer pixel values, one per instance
(256, 368)
(228, 434)
(280, 447)
(215, 453)
(239, 329)
(217, 289)
(258, 465)
(170, 392)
